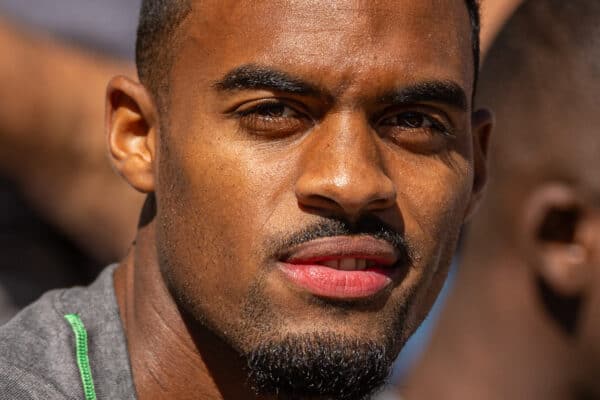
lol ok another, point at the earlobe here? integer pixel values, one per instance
(565, 269)
(131, 123)
(482, 125)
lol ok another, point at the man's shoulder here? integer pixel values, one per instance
(34, 349)
(18, 384)
(39, 344)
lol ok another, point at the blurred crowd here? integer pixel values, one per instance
(519, 317)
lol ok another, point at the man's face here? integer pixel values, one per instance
(316, 168)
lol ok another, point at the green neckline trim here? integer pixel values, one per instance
(81, 352)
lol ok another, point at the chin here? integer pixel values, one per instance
(319, 365)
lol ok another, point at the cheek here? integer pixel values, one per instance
(434, 194)
(433, 199)
(209, 208)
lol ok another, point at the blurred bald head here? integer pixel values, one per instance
(541, 78)
(540, 221)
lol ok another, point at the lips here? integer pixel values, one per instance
(342, 268)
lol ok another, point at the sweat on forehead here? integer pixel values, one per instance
(157, 29)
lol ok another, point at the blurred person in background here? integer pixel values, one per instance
(63, 211)
(523, 320)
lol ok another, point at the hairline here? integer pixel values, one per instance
(159, 87)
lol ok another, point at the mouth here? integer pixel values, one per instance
(341, 268)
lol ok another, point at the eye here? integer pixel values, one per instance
(272, 117)
(270, 110)
(423, 132)
(413, 120)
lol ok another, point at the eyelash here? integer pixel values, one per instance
(252, 119)
(264, 107)
(436, 125)
(281, 124)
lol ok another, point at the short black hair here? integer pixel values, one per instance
(158, 23)
(475, 17)
(157, 28)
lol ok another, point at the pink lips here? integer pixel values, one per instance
(342, 268)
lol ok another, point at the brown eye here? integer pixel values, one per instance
(270, 110)
(414, 120)
(418, 131)
(409, 120)
(272, 118)
(273, 110)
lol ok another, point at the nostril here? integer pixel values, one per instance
(315, 203)
(383, 202)
(346, 195)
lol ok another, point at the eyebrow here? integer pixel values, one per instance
(250, 76)
(445, 92)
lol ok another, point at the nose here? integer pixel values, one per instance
(342, 172)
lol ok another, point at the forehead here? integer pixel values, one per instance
(337, 43)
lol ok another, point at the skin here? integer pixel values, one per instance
(508, 342)
(228, 185)
(104, 229)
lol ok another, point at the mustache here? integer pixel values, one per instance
(368, 225)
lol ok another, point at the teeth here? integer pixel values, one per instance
(348, 264)
(332, 264)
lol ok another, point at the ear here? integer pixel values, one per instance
(482, 122)
(557, 239)
(132, 124)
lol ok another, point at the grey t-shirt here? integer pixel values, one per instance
(37, 347)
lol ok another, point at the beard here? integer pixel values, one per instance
(324, 363)
(317, 361)
(320, 365)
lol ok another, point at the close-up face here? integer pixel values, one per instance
(315, 167)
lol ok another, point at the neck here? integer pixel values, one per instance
(493, 341)
(167, 359)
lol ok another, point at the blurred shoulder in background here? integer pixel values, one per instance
(64, 213)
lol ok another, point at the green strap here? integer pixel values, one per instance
(81, 351)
